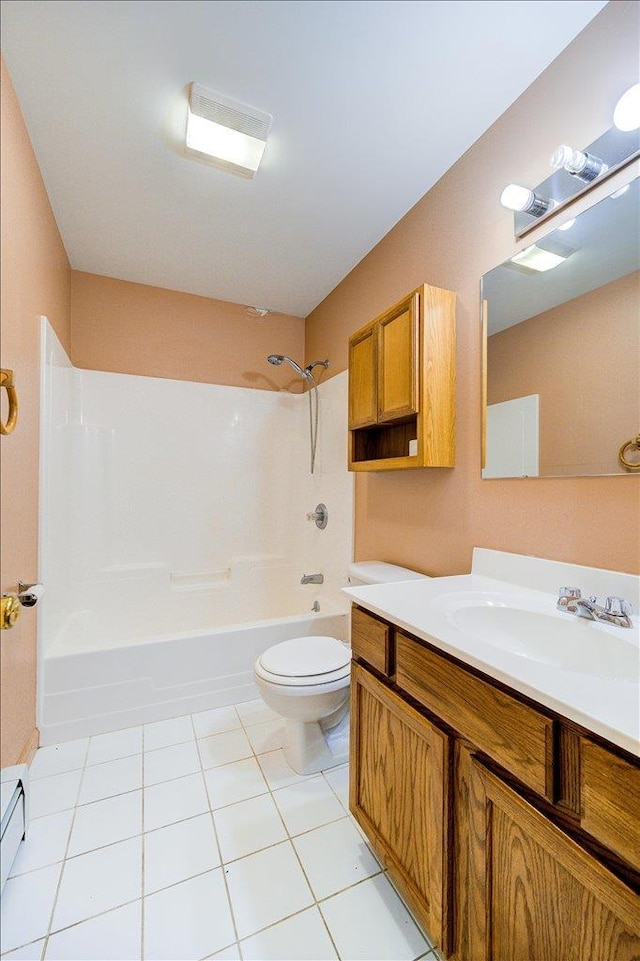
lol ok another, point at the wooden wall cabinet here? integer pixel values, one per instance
(513, 834)
(402, 385)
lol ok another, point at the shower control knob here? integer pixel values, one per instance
(320, 515)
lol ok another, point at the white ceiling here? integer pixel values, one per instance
(373, 100)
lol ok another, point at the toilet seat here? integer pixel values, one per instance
(305, 661)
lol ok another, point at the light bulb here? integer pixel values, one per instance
(626, 116)
(578, 163)
(515, 197)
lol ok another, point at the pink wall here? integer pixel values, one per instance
(432, 519)
(132, 328)
(35, 280)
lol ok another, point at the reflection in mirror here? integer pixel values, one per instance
(563, 347)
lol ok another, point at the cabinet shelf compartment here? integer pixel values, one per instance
(382, 443)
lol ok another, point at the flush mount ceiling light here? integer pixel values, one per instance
(535, 258)
(224, 132)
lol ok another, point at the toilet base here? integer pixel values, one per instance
(309, 749)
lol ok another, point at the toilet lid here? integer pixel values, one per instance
(305, 657)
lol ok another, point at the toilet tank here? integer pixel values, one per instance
(378, 572)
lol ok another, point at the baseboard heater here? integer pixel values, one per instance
(13, 819)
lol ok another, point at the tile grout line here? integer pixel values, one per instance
(316, 903)
(289, 839)
(215, 835)
(63, 863)
(143, 866)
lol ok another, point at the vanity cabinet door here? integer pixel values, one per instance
(540, 895)
(399, 793)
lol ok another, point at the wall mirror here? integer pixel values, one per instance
(561, 350)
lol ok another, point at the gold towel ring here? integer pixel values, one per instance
(634, 444)
(6, 381)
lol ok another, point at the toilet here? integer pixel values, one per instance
(306, 681)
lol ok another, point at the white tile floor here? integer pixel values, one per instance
(192, 838)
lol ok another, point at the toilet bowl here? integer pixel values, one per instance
(306, 681)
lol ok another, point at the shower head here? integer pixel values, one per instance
(277, 359)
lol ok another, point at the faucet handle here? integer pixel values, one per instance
(617, 606)
(567, 595)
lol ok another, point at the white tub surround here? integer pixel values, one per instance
(172, 509)
(502, 619)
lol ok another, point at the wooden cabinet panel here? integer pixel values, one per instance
(370, 640)
(610, 800)
(363, 403)
(512, 733)
(399, 793)
(541, 896)
(398, 351)
(402, 385)
(437, 426)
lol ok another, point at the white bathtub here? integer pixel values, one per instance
(89, 689)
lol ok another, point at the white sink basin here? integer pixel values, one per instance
(525, 627)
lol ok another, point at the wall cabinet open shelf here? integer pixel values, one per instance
(402, 385)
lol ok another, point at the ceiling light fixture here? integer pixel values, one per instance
(578, 163)
(626, 115)
(535, 258)
(515, 197)
(224, 132)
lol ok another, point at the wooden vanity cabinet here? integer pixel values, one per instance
(398, 794)
(402, 385)
(541, 895)
(536, 822)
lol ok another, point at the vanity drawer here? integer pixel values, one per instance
(371, 640)
(515, 735)
(610, 800)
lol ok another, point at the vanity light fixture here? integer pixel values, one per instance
(515, 197)
(535, 258)
(626, 116)
(224, 132)
(578, 163)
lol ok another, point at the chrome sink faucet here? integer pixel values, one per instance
(616, 610)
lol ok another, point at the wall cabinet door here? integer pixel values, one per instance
(398, 350)
(399, 793)
(540, 896)
(363, 372)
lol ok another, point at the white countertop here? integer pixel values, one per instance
(595, 698)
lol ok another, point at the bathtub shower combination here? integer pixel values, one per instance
(175, 538)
